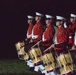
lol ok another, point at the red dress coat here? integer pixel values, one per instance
(74, 26)
(47, 37)
(71, 35)
(29, 31)
(74, 31)
(37, 32)
(62, 39)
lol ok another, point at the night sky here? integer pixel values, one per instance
(13, 19)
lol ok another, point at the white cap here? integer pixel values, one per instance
(30, 17)
(48, 16)
(72, 15)
(60, 18)
(38, 14)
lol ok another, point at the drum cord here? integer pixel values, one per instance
(50, 61)
(71, 59)
(66, 61)
(31, 54)
(36, 44)
(39, 47)
(37, 53)
(59, 59)
(47, 50)
(54, 61)
(70, 55)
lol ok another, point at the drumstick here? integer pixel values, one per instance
(48, 48)
(36, 43)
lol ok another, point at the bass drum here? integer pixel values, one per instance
(65, 62)
(49, 61)
(35, 55)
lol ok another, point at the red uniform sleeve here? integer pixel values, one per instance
(63, 40)
(50, 35)
(39, 32)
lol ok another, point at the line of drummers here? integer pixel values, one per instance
(50, 50)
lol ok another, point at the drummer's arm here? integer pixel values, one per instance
(59, 45)
(56, 46)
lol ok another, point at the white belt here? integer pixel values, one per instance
(43, 39)
(70, 37)
(28, 36)
(34, 36)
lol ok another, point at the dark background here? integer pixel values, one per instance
(13, 19)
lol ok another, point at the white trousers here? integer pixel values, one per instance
(30, 63)
(41, 68)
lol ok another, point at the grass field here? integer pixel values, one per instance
(15, 67)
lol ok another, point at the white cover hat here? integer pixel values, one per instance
(39, 14)
(30, 17)
(48, 16)
(72, 15)
(60, 18)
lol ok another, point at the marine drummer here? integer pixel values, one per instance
(73, 28)
(27, 40)
(47, 38)
(71, 31)
(68, 27)
(61, 39)
(29, 31)
(37, 30)
(73, 52)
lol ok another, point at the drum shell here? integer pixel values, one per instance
(49, 61)
(65, 63)
(73, 55)
(35, 55)
(20, 47)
